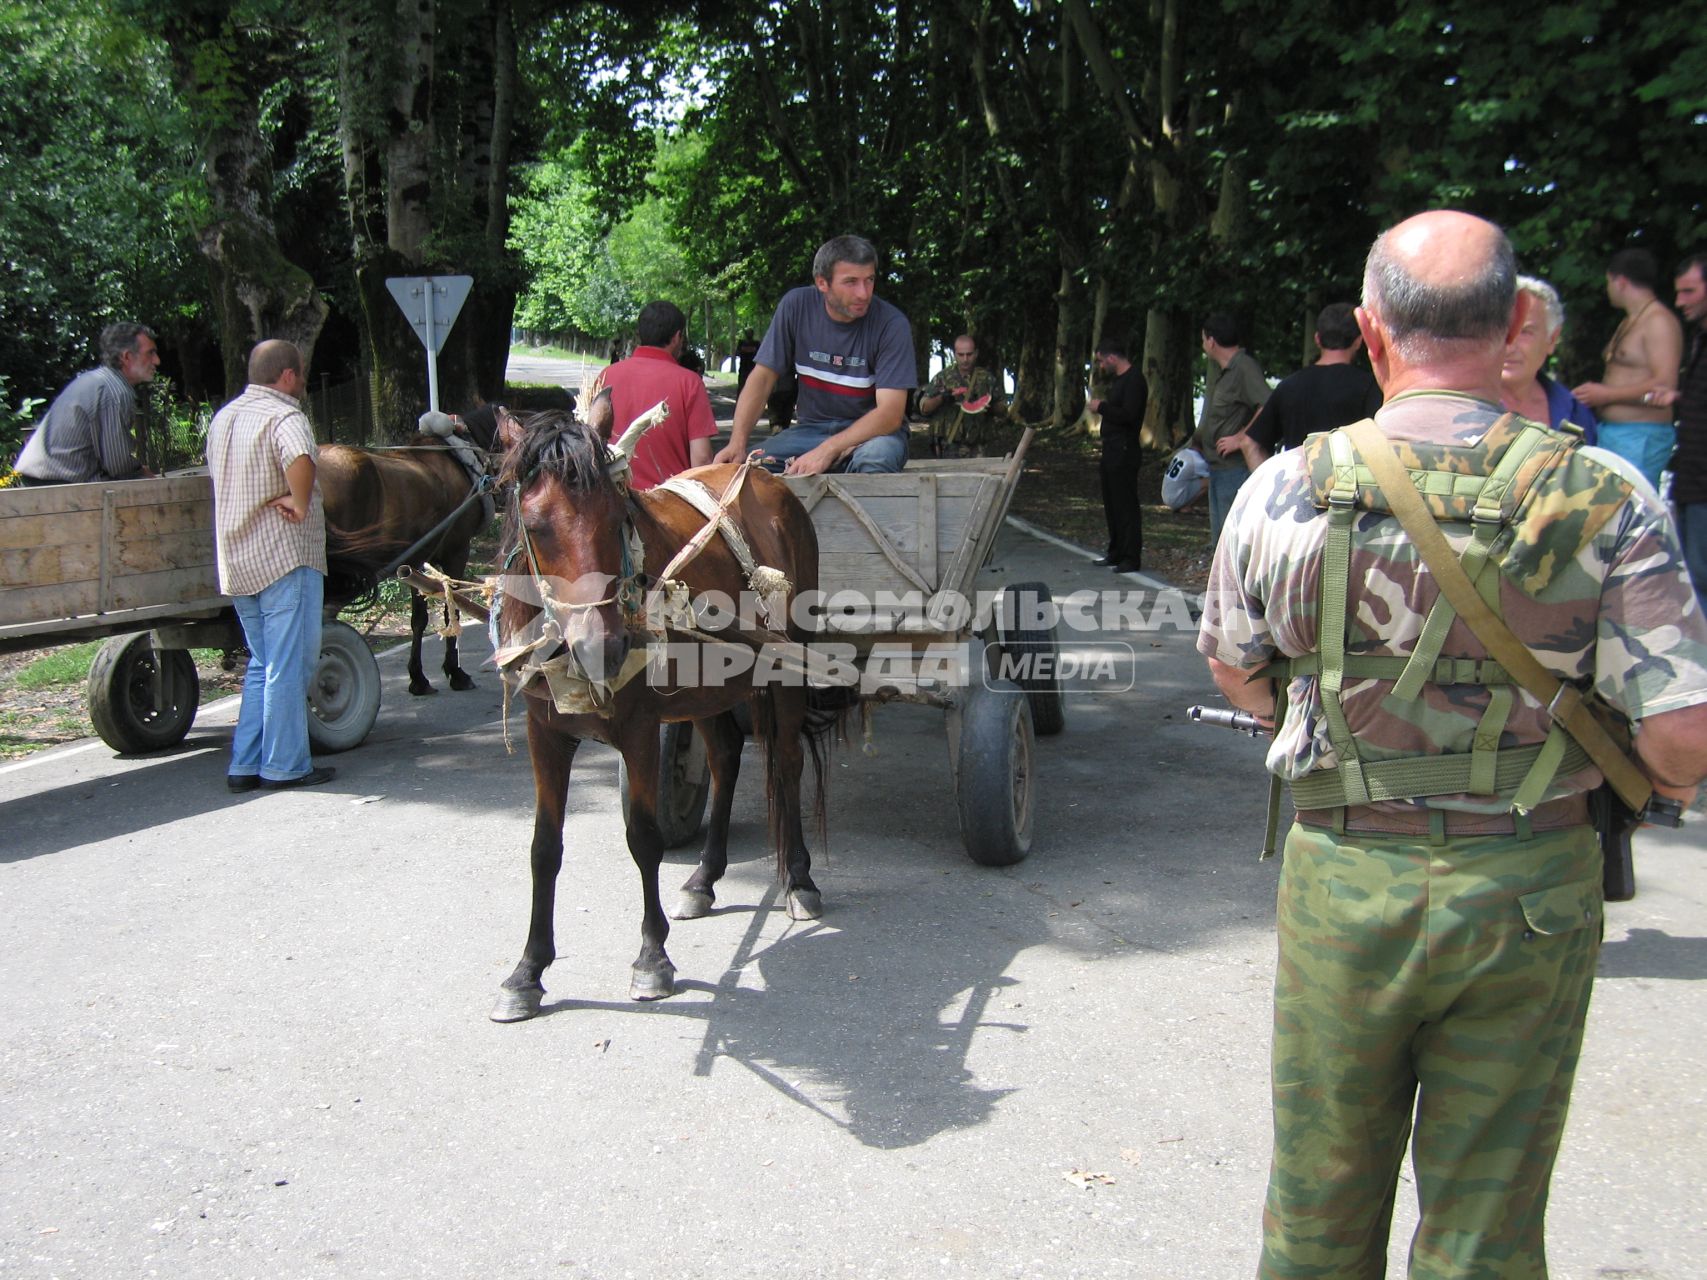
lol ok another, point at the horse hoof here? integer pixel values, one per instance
(419, 689)
(805, 904)
(692, 905)
(461, 683)
(653, 984)
(517, 1006)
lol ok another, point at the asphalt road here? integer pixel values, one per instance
(247, 1036)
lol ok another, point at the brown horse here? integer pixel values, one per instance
(578, 531)
(380, 503)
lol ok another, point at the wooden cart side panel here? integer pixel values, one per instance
(915, 534)
(67, 551)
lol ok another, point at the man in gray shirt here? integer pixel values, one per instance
(86, 434)
(851, 356)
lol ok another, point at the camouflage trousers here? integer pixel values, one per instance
(1449, 982)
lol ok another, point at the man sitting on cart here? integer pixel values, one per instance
(851, 354)
(86, 434)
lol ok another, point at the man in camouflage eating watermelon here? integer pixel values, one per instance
(960, 402)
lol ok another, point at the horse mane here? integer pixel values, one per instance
(555, 444)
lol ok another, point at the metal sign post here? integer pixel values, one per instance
(431, 305)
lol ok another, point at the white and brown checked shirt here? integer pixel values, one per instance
(250, 444)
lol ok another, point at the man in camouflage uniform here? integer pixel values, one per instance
(1436, 953)
(953, 430)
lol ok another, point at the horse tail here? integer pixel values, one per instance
(354, 558)
(823, 724)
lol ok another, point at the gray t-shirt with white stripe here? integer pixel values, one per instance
(839, 367)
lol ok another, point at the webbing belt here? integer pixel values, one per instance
(1418, 776)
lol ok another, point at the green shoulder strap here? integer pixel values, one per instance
(1564, 702)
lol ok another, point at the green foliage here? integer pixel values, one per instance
(98, 167)
(172, 431)
(16, 417)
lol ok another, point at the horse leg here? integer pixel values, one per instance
(722, 738)
(787, 757)
(459, 679)
(654, 975)
(417, 627)
(456, 567)
(552, 753)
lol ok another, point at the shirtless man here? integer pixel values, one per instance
(1641, 360)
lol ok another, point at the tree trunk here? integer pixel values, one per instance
(409, 128)
(1168, 352)
(257, 291)
(1069, 399)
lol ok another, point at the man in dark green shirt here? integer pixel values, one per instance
(1239, 392)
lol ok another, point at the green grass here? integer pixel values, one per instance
(69, 665)
(554, 353)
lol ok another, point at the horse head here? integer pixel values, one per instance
(566, 528)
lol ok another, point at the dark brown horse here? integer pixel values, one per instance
(380, 503)
(601, 551)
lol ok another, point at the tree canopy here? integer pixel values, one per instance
(1040, 172)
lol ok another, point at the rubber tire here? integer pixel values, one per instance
(1048, 703)
(343, 695)
(121, 694)
(684, 784)
(995, 783)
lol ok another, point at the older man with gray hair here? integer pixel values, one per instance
(86, 434)
(1525, 388)
(1439, 908)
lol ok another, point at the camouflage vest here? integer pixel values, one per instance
(1533, 503)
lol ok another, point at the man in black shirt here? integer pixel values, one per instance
(1122, 411)
(1689, 463)
(1333, 392)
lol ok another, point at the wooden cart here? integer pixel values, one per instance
(133, 560)
(923, 539)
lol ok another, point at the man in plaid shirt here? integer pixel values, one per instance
(270, 544)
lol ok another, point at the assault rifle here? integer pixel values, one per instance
(1614, 821)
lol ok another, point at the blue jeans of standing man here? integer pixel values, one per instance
(884, 453)
(1224, 485)
(281, 626)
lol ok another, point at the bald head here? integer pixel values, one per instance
(271, 360)
(1441, 282)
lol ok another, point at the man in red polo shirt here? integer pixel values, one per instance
(652, 374)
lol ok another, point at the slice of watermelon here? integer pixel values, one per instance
(976, 405)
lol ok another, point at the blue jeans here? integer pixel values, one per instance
(281, 625)
(1647, 446)
(1692, 532)
(1224, 486)
(885, 453)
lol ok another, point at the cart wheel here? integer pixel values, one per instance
(995, 781)
(130, 708)
(343, 696)
(1024, 610)
(684, 784)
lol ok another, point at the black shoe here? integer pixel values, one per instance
(242, 781)
(313, 778)
(1126, 566)
(1102, 562)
